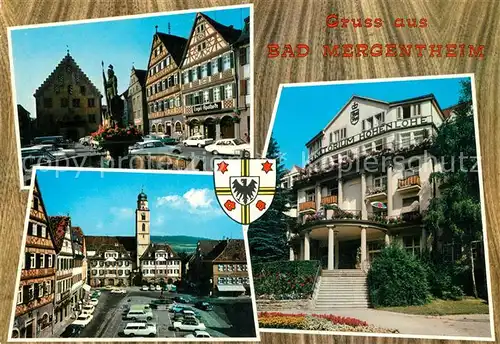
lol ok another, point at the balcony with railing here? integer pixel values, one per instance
(329, 200)
(376, 192)
(307, 206)
(409, 183)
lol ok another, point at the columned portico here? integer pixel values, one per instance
(307, 247)
(363, 245)
(364, 212)
(340, 196)
(331, 247)
(318, 195)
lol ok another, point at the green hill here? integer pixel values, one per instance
(178, 243)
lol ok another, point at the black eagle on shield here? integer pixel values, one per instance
(244, 189)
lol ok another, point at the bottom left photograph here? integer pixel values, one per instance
(112, 254)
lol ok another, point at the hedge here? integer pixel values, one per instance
(285, 279)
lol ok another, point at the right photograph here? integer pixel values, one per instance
(378, 223)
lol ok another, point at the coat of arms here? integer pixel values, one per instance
(245, 187)
(354, 113)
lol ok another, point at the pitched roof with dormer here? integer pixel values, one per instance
(121, 244)
(154, 247)
(233, 252)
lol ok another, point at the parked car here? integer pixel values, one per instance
(152, 287)
(175, 308)
(181, 299)
(118, 291)
(145, 288)
(154, 147)
(85, 141)
(83, 319)
(228, 147)
(95, 144)
(35, 156)
(189, 325)
(56, 151)
(197, 141)
(140, 329)
(139, 314)
(203, 305)
(72, 331)
(88, 308)
(169, 141)
(184, 314)
(198, 334)
(170, 287)
(162, 304)
(54, 140)
(158, 288)
(93, 301)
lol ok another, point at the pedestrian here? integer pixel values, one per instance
(246, 138)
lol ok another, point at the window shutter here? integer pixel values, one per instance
(233, 89)
(211, 94)
(209, 69)
(222, 93)
(35, 291)
(198, 71)
(30, 228)
(231, 60)
(190, 75)
(219, 64)
(25, 294)
(399, 113)
(243, 56)
(243, 90)
(27, 259)
(363, 124)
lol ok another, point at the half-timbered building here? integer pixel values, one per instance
(35, 296)
(209, 80)
(163, 88)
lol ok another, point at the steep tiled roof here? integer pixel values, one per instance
(152, 248)
(245, 33)
(206, 246)
(234, 251)
(141, 75)
(59, 225)
(229, 33)
(67, 60)
(100, 244)
(174, 44)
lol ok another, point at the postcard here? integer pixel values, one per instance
(156, 91)
(378, 225)
(124, 253)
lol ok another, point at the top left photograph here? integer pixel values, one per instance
(169, 91)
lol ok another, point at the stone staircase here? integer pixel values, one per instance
(342, 289)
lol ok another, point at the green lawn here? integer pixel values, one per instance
(444, 307)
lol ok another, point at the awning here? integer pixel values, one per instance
(231, 287)
(415, 206)
(86, 287)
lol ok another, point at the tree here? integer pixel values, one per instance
(267, 237)
(455, 216)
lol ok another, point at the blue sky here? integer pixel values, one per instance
(104, 203)
(37, 51)
(304, 111)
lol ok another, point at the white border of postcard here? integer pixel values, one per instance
(481, 193)
(123, 339)
(145, 15)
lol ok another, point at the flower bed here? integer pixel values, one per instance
(285, 280)
(317, 322)
(117, 134)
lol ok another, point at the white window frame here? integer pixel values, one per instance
(43, 231)
(226, 62)
(35, 229)
(32, 290)
(204, 70)
(42, 261)
(32, 260)
(206, 96)
(380, 181)
(20, 295)
(228, 91)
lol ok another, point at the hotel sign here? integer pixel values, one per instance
(207, 107)
(366, 134)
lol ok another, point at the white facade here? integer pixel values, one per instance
(160, 264)
(367, 177)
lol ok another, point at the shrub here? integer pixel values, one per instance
(285, 279)
(397, 278)
(444, 281)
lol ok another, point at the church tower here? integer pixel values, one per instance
(142, 222)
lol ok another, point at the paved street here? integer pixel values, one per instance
(220, 322)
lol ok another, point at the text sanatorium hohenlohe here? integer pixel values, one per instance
(334, 21)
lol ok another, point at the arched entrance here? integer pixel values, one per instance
(194, 127)
(168, 129)
(153, 128)
(159, 129)
(210, 130)
(178, 128)
(227, 127)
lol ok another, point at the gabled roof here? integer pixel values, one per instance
(206, 246)
(174, 44)
(152, 248)
(234, 251)
(315, 137)
(245, 33)
(37, 190)
(228, 33)
(429, 96)
(68, 59)
(95, 242)
(141, 75)
(59, 225)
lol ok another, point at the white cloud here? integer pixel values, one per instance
(122, 213)
(194, 201)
